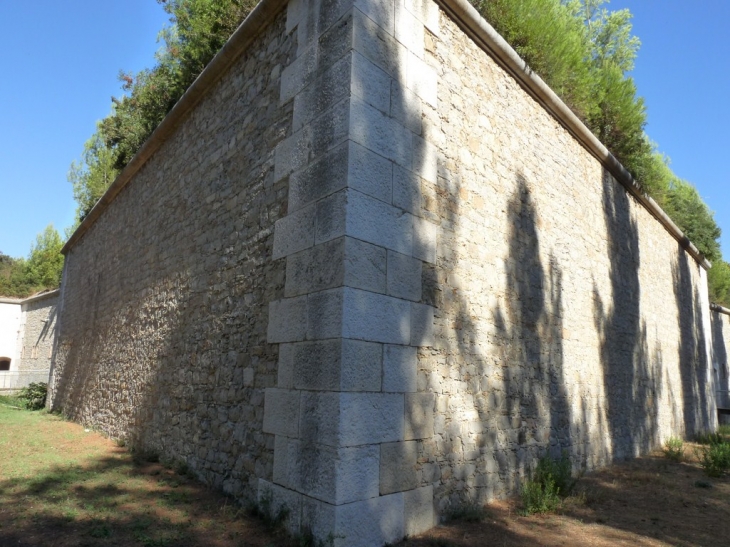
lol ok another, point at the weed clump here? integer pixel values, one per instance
(709, 437)
(551, 481)
(674, 449)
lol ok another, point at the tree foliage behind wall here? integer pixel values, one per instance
(581, 49)
(20, 277)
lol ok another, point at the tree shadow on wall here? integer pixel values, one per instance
(632, 373)
(697, 390)
(720, 358)
(517, 406)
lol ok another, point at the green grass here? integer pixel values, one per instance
(57, 479)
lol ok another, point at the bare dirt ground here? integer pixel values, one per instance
(63, 486)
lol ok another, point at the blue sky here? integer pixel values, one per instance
(61, 61)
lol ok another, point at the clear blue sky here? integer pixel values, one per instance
(62, 60)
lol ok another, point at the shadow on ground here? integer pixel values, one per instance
(117, 501)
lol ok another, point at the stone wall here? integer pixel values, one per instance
(567, 317)
(10, 314)
(721, 354)
(38, 329)
(162, 336)
(372, 277)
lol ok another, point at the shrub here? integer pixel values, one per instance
(674, 449)
(551, 481)
(33, 397)
(715, 458)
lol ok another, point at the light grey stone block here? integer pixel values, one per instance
(328, 174)
(322, 134)
(278, 499)
(294, 232)
(378, 45)
(422, 325)
(406, 107)
(361, 364)
(406, 190)
(334, 475)
(325, 314)
(426, 11)
(324, 90)
(419, 514)
(398, 466)
(369, 83)
(419, 408)
(331, 217)
(320, 417)
(335, 365)
(281, 412)
(365, 266)
(370, 522)
(400, 369)
(375, 317)
(425, 159)
(422, 79)
(319, 17)
(295, 11)
(315, 269)
(409, 31)
(381, 13)
(370, 418)
(425, 239)
(369, 173)
(287, 320)
(376, 222)
(404, 277)
(380, 133)
(351, 419)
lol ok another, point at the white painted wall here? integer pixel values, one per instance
(10, 318)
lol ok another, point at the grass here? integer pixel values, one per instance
(63, 486)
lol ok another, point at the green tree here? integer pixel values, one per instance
(718, 279)
(92, 175)
(44, 266)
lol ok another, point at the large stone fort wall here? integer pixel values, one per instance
(372, 276)
(162, 332)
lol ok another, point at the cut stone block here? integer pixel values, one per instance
(331, 365)
(351, 419)
(333, 475)
(368, 523)
(287, 320)
(375, 317)
(400, 368)
(281, 412)
(419, 513)
(398, 466)
(404, 277)
(274, 499)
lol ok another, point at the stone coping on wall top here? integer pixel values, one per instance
(720, 309)
(34, 298)
(468, 18)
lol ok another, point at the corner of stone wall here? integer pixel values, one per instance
(346, 413)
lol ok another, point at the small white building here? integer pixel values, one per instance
(27, 330)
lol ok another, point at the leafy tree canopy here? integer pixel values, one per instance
(41, 270)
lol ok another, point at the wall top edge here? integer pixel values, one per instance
(237, 44)
(720, 309)
(34, 298)
(484, 35)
